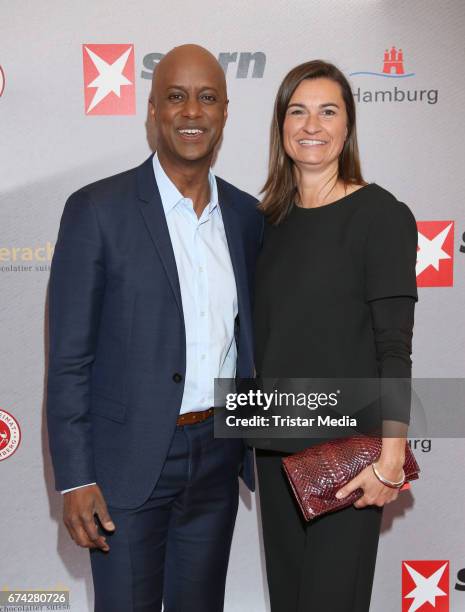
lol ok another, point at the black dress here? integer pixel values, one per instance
(335, 295)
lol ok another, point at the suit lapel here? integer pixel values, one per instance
(151, 208)
(234, 237)
(233, 232)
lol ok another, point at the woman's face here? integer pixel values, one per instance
(315, 124)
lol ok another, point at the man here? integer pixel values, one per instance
(149, 302)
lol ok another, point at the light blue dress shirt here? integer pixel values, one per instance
(208, 290)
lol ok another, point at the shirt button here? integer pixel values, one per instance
(200, 269)
(203, 357)
(177, 377)
(202, 314)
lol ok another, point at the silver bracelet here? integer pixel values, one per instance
(389, 483)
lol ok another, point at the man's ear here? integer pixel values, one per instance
(151, 109)
(225, 115)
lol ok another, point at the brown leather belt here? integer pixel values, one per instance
(189, 418)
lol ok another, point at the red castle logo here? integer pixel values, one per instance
(393, 61)
(393, 66)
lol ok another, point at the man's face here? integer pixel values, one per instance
(188, 107)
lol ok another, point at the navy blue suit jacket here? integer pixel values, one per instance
(117, 340)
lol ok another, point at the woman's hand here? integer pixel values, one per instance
(375, 493)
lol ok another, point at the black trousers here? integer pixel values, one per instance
(326, 565)
(175, 547)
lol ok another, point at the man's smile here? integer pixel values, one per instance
(191, 134)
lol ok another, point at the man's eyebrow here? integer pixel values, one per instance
(201, 88)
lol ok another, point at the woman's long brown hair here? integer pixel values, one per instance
(280, 188)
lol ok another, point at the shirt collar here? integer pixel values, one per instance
(170, 194)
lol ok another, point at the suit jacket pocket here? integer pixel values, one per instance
(108, 408)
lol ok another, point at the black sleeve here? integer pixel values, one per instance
(391, 252)
(392, 320)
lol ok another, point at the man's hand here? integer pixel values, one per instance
(79, 509)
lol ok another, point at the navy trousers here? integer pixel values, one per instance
(175, 547)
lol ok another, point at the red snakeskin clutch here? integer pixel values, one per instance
(317, 473)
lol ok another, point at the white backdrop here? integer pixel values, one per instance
(50, 147)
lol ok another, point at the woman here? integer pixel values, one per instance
(335, 295)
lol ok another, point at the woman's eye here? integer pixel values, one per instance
(328, 111)
(295, 111)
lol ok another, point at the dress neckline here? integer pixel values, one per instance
(336, 203)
